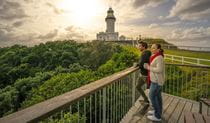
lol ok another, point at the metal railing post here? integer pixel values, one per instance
(133, 87)
(104, 105)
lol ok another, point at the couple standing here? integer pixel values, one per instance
(152, 69)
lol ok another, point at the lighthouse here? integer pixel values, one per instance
(109, 34)
(110, 21)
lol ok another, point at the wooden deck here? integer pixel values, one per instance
(173, 110)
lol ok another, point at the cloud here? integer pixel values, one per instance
(54, 8)
(191, 9)
(18, 23)
(191, 34)
(172, 23)
(142, 3)
(161, 18)
(70, 28)
(154, 25)
(11, 38)
(49, 35)
(28, 1)
(74, 33)
(6, 28)
(11, 11)
(5, 36)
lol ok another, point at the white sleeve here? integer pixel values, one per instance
(159, 67)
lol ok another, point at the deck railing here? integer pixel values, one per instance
(188, 81)
(109, 99)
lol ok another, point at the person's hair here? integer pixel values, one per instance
(143, 44)
(159, 47)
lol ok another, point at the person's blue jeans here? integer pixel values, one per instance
(156, 99)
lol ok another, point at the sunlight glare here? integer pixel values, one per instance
(81, 12)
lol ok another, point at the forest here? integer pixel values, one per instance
(29, 75)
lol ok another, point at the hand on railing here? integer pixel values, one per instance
(135, 64)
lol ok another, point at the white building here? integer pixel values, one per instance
(110, 34)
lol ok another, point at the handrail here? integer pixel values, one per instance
(44, 109)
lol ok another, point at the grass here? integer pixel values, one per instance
(194, 54)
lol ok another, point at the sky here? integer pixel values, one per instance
(30, 22)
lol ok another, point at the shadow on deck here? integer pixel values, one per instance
(173, 110)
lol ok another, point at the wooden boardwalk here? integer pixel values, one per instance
(173, 110)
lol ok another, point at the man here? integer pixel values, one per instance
(145, 56)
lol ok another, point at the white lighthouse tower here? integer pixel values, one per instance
(110, 34)
(110, 21)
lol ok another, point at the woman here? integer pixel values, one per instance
(156, 76)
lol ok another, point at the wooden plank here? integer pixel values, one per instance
(176, 109)
(130, 116)
(167, 103)
(177, 112)
(204, 109)
(195, 107)
(187, 108)
(170, 109)
(198, 118)
(133, 114)
(205, 101)
(188, 117)
(206, 118)
(166, 99)
(208, 112)
(192, 101)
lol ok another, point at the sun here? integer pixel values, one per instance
(81, 12)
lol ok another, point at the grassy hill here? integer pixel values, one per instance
(194, 54)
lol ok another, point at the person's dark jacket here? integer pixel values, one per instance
(145, 56)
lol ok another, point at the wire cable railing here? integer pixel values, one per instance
(188, 81)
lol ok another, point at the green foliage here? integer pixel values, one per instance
(187, 82)
(96, 53)
(59, 84)
(152, 41)
(8, 100)
(119, 61)
(47, 70)
(67, 118)
(12, 96)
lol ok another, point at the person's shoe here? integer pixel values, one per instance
(152, 112)
(153, 118)
(143, 101)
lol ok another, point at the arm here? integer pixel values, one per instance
(160, 64)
